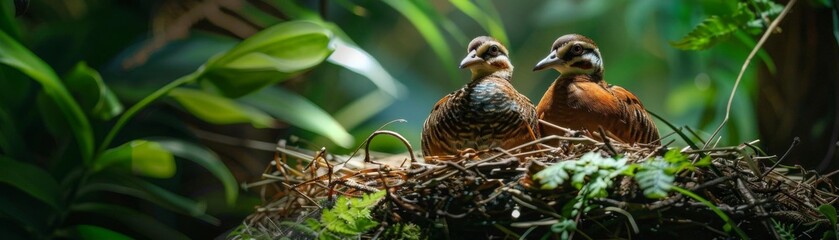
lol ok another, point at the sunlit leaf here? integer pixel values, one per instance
(15, 55)
(351, 216)
(272, 55)
(206, 159)
(219, 110)
(445, 22)
(299, 112)
(90, 90)
(85, 232)
(426, 27)
(146, 158)
(355, 59)
(490, 24)
(347, 54)
(137, 221)
(714, 29)
(30, 179)
(363, 108)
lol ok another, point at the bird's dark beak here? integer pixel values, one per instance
(471, 59)
(549, 62)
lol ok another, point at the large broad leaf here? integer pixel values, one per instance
(355, 59)
(300, 112)
(139, 188)
(219, 110)
(145, 158)
(274, 54)
(93, 95)
(30, 179)
(85, 232)
(137, 221)
(206, 159)
(15, 55)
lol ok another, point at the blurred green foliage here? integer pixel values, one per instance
(112, 112)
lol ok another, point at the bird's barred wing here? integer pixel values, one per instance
(430, 133)
(641, 125)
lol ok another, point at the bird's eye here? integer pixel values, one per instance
(493, 50)
(576, 49)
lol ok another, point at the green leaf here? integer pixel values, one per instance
(351, 217)
(139, 188)
(363, 108)
(272, 55)
(7, 19)
(207, 159)
(369, 200)
(137, 221)
(146, 158)
(714, 29)
(219, 110)
(299, 112)
(51, 115)
(830, 212)
(785, 232)
(90, 90)
(487, 22)
(729, 225)
(15, 55)
(653, 178)
(95, 232)
(412, 10)
(675, 156)
(704, 162)
(353, 58)
(30, 179)
(11, 143)
(553, 176)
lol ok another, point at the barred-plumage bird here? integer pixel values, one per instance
(486, 113)
(580, 99)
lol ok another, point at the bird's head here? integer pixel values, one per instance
(573, 54)
(486, 56)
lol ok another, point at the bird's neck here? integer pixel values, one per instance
(505, 74)
(596, 77)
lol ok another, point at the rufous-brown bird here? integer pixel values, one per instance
(486, 113)
(580, 99)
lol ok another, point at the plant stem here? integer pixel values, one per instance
(757, 47)
(714, 208)
(142, 104)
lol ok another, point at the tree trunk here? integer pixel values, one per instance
(801, 98)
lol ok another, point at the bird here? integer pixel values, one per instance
(580, 99)
(486, 113)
